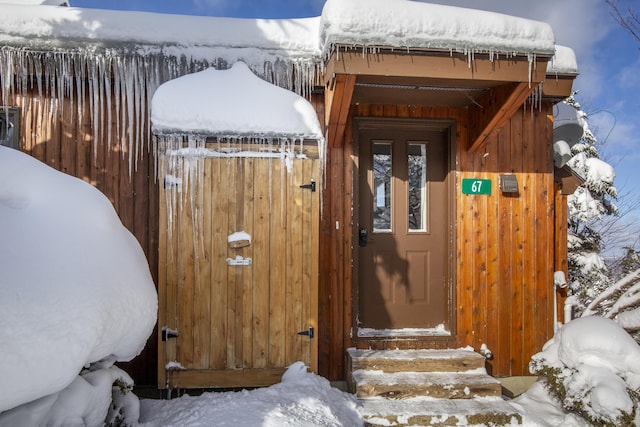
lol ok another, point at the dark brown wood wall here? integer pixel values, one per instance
(504, 243)
(67, 144)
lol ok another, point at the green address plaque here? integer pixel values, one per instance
(476, 186)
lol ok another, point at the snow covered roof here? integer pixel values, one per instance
(401, 23)
(37, 2)
(387, 23)
(143, 32)
(207, 103)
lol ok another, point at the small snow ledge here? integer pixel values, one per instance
(563, 62)
(232, 103)
(409, 24)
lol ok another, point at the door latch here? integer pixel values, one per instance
(168, 333)
(310, 186)
(363, 237)
(309, 332)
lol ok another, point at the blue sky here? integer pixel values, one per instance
(608, 58)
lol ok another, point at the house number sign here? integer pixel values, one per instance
(476, 186)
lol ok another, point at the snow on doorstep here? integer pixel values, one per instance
(75, 286)
(412, 354)
(439, 330)
(232, 102)
(402, 23)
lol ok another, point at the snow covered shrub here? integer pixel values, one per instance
(620, 302)
(125, 405)
(91, 400)
(591, 367)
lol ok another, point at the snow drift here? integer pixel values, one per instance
(590, 366)
(75, 285)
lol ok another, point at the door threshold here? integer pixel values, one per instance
(438, 331)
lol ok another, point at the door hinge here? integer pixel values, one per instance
(310, 186)
(167, 333)
(309, 332)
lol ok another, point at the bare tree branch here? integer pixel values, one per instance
(629, 20)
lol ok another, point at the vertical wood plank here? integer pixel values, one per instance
(518, 245)
(186, 277)
(202, 243)
(261, 263)
(315, 265)
(532, 201)
(503, 328)
(277, 277)
(307, 261)
(163, 266)
(235, 278)
(246, 225)
(220, 297)
(294, 321)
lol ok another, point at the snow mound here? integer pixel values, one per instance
(75, 285)
(596, 362)
(302, 399)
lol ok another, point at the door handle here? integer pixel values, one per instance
(363, 237)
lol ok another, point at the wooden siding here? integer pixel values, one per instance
(504, 243)
(67, 144)
(486, 291)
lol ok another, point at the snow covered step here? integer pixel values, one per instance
(438, 412)
(447, 385)
(458, 360)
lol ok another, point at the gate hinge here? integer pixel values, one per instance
(311, 186)
(309, 332)
(167, 333)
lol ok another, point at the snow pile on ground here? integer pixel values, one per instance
(302, 399)
(591, 367)
(75, 287)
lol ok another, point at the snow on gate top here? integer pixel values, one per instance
(208, 103)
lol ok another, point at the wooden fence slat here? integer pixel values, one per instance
(202, 291)
(186, 276)
(277, 278)
(261, 263)
(220, 297)
(247, 272)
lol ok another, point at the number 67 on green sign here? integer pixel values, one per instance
(476, 186)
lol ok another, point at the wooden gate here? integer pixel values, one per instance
(236, 314)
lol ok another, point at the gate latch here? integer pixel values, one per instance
(310, 186)
(168, 333)
(309, 332)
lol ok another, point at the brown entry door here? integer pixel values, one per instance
(403, 231)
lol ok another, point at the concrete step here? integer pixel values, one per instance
(458, 360)
(446, 385)
(438, 412)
